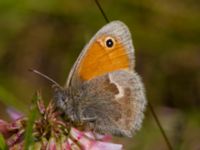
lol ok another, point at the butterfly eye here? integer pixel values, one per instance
(109, 42)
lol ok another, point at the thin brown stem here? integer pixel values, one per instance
(160, 126)
(102, 11)
(150, 106)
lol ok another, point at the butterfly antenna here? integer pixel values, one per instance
(44, 76)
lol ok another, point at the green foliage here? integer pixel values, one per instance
(31, 119)
(2, 143)
(9, 99)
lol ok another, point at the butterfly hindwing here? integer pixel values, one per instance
(116, 104)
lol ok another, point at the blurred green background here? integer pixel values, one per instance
(48, 35)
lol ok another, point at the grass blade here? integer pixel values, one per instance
(3, 145)
(31, 120)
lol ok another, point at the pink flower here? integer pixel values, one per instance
(14, 114)
(88, 141)
(51, 132)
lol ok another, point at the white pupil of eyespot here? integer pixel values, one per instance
(109, 43)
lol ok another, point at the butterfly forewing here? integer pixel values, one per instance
(97, 59)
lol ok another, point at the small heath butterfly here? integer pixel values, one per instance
(103, 90)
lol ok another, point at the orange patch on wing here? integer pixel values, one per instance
(99, 60)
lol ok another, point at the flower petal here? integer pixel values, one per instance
(52, 144)
(13, 113)
(4, 128)
(89, 143)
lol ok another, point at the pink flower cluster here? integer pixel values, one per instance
(51, 132)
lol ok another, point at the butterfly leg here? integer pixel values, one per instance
(89, 119)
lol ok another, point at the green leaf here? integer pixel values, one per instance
(31, 120)
(3, 145)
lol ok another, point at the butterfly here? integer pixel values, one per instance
(103, 90)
